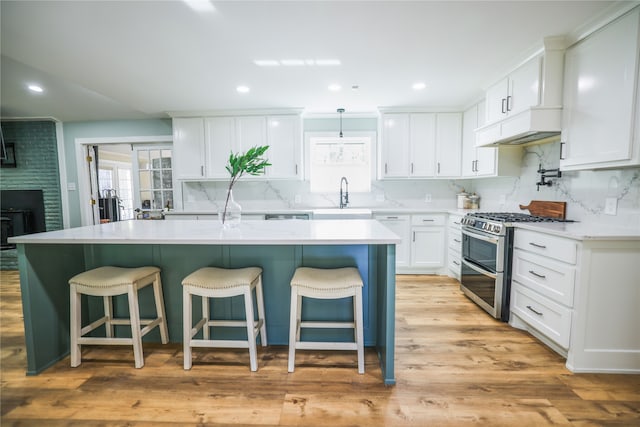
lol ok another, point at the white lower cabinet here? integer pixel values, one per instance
(399, 224)
(454, 252)
(580, 297)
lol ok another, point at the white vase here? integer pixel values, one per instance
(231, 216)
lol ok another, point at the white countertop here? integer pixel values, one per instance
(193, 232)
(584, 230)
(310, 210)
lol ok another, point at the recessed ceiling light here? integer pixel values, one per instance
(327, 62)
(292, 62)
(243, 89)
(334, 87)
(419, 86)
(266, 63)
(35, 88)
(200, 5)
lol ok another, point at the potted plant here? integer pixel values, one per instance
(251, 162)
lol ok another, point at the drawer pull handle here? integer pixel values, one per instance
(457, 241)
(392, 217)
(538, 245)
(542, 276)
(456, 223)
(456, 263)
(534, 310)
(428, 220)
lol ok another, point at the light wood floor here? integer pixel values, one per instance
(454, 366)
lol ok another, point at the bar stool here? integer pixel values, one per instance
(325, 284)
(213, 282)
(107, 282)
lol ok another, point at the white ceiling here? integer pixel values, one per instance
(102, 60)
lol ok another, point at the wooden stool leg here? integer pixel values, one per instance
(358, 319)
(134, 314)
(251, 335)
(186, 326)
(160, 312)
(261, 316)
(293, 328)
(76, 327)
(108, 312)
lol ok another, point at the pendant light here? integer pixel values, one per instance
(340, 110)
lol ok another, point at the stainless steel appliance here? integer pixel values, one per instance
(487, 247)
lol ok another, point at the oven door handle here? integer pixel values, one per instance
(478, 269)
(480, 236)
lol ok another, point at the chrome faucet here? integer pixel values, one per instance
(344, 195)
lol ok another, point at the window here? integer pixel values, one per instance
(331, 158)
(115, 181)
(155, 183)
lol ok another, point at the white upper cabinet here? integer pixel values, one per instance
(448, 144)
(515, 93)
(395, 141)
(601, 124)
(284, 136)
(485, 161)
(188, 148)
(421, 145)
(203, 144)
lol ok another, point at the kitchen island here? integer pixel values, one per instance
(48, 260)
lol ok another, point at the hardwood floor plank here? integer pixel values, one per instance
(455, 365)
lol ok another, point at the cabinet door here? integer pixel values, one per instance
(395, 141)
(469, 124)
(251, 131)
(486, 161)
(427, 247)
(599, 94)
(399, 224)
(496, 102)
(284, 139)
(448, 144)
(220, 134)
(188, 148)
(524, 87)
(422, 131)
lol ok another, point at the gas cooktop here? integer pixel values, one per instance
(498, 222)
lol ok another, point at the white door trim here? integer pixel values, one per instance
(86, 213)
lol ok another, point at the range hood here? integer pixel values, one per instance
(542, 121)
(533, 124)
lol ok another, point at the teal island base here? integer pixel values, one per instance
(46, 268)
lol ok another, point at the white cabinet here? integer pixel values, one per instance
(284, 136)
(601, 118)
(202, 145)
(448, 144)
(421, 145)
(485, 161)
(399, 224)
(427, 241)
(454, 250)
(188, 148)
(515, 93)
(580, 297)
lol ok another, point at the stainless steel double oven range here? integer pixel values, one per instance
(487, 251)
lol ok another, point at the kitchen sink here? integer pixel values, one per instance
(346, 213)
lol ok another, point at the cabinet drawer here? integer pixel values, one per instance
(547, 245)
(454, 262)
(455, 240)
(548, 317)
(454, 221)
(428, 219)
(392, 217)
(550, 278)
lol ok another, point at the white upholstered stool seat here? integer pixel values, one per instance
(107, 282)
(214, 282)
(326, 284)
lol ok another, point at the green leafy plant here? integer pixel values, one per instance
(251, 162)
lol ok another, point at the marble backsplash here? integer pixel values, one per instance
(584, 191)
